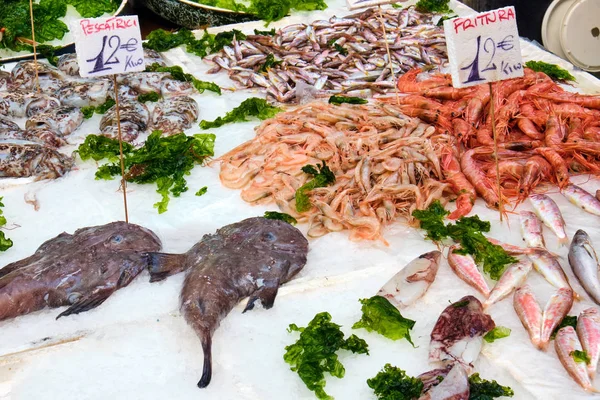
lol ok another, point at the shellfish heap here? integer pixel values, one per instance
(385, 164)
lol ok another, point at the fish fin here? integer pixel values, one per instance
(266, 294)
(207, 368)
(87, 303)
(163, 265)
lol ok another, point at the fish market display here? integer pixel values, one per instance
(249, 258)
(20, 159)
(80, 270)
(384, 164)
(339, 55)
(545, 133)
(408, 285)
(549, 213)
(175, 114)
(458, 332)
(531, 229)
(584, 262)
(588, 331)
(566, 343)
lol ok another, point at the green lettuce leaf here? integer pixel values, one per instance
(379, 315)
(498, 332)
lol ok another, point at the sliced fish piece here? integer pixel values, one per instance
(455, 386)
(549, 267)
(566, 343)
(531, 229)
(465, 267)
(512, 278)
(530, 313)
(588, 331)
(556, 309)
(547, 210)
(458, 332)
(582, 199)
(584, 262)
(412, 281)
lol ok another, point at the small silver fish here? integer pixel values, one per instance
(584, 262)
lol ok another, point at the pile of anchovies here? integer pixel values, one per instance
(335, 56)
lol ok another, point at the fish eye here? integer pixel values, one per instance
(117, 239)
(269, 236)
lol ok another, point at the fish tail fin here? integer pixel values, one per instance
(563, 241)
(207, 368)
(163, 265)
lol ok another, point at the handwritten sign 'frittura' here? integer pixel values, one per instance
(484, 47)
(107, 46)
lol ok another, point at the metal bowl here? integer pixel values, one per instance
(192, 15)
(67, 47)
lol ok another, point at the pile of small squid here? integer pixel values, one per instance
(544, 133)
(385, 164)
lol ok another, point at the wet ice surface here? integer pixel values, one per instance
(137, 346)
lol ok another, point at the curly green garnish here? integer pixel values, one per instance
(552, 70)
(253, 106)
(392, 383)
(322, 176)
(5, 243)
(281, 217)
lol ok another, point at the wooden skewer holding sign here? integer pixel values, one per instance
(111, 49)
(118, 116)
(33, 43)
(493, 117)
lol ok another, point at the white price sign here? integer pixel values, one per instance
(484, 47)
(107, 46)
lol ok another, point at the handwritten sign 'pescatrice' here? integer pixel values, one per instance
(484, 47)
(107, 46)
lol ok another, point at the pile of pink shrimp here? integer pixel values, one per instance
(385, 163)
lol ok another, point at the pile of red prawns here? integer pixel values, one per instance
(544, 133)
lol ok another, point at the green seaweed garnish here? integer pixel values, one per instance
(322, 176)
(379, 315)
(253, 106)
(281, 217)
(499, 332)
(392, 383)
(552, 70)
(347, 99)
(177, 73)
(5, 243)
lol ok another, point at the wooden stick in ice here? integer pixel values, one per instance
(33, 43)
(500, 206)
(118, 116)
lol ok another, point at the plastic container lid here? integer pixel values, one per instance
(580, 34)
(552, 24)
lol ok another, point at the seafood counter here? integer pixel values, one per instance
(209, 298)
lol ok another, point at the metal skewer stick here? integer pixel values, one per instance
(123, 182)
(500, 205)
(35, 62)
(389, 54)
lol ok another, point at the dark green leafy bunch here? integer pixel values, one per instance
(347, 99)
(5, 243)
(162, 160)
(392, 383)
(569, 320)
(89, 111)
(252, 107)
(161, 40)
(552, 70)
(379, 315)
(468, 232)
(265, 33)
(480, 389)
(177, 73)
(581, 356)
(322, 176)
(146, 97)
(315, 352)
(281, 217)
(444, 18)
(499, 332)
(269, 63)
(15, 19)
(433, 6)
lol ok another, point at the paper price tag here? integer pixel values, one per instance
(484, 47)
(107, 46)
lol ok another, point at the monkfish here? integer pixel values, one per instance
(249, 258)
(80, 270)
